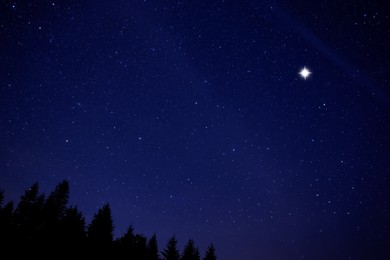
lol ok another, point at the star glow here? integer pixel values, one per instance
(305, 73)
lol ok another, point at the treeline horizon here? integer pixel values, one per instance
(48, 227)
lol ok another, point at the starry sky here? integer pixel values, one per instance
(191, 118)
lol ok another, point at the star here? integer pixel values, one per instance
(304, 73)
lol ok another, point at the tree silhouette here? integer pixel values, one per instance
(6, 223)
(1, 198)
(101, 228)
(74, 227)
(55, 205)
(39, 227)
(100, 232)
(140, 251)
(28, 215)
(28, 223)
(6, 214)
(171, 252)
(210, 253)
(54, 210)
(153, 248)
(125, 245)
(190, 251)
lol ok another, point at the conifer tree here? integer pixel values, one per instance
(100, 231)
(73, 227)
(54, 211)
(129, 238)
(171, 252)
(38, 224)
(190, 251)
(6, 214)
(153, 248)
(100, 234)
(125, 246)
(210, 253)
(140, 251)
(1, 198)
(28, 214)
(6, 227)
(55, 205)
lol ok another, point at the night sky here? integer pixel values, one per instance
(191, 118)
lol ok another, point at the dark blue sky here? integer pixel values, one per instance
(190, 118)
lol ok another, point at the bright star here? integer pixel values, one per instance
(305, 73)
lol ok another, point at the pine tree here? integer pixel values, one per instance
(1, 198)
(125, 246)
(153, 248)
(100, 234)
(6, 228)
(38, 224)
(6, 214)
(55, 205)
(28, 214)
(54, 211)
(210, 253)
(73, 227)
(72, 240)
(140, 251)
(129, 238)
(28, 223)
(101, 228)
(171, 252)
(190, 251)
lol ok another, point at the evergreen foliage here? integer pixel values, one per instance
(190, 251)
(39, 226)
(171, 252)
(210, 253)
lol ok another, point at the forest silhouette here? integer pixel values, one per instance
(48, 227)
